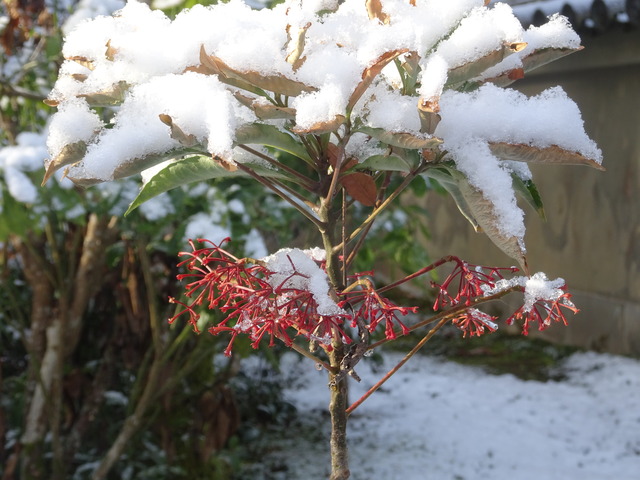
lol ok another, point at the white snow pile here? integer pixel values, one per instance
(17, 161)
(537, 287)
(444, 421)
(297, 269)
(151, 67)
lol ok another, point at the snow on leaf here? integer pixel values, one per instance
(322, 127)
(187, 140)
(371, 73)
(114, 95)
(469, 70)
(401, 139)
(276, 83)
(429, 117)
(296, 45)
(69, 154)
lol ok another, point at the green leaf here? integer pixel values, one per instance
(185, 171)
(15, 218)
(386, 163)
(261, 134)
(527, 190)
(448, 178)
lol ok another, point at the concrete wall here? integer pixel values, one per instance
(592, 235)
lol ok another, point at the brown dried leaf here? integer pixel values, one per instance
(429, 118)
(532, 61)
(370, 73)
(84, 61)
(361, 187)
(71, 153)
(484, 214)
(543, 56)
(401, 139)
(111, 52)
(264, 110)
(374, 9)
(188, 140)
(474, 68)
(226, 164)
(322, 127)
(275, 83)
(526, 153)
(296, 46)
(332, 156)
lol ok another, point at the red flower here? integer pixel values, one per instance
(473, 322)
(544, 312)
(466, 282)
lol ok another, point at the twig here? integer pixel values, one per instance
(406, 358)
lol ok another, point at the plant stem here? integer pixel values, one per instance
(338, 410)
(338, 386)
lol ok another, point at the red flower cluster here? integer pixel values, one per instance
(473, 322)
(467, 282)
(544, 312)
(260, 309)
(374, 308)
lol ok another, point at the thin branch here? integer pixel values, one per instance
(304, 352)
(452, 312)
(304, 180)
(380, 208)
(406, 358)
(282, 195)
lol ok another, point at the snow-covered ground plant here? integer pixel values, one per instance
(335, 107)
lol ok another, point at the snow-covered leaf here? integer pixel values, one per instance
(429, 117)
(69, 154)
(322, 127)
(483, 211)
(114, 95)
(370, 74)
(526, 153)
(467, 71)
(296, 45)
(276, 83)
(187, 140)
(401, 139)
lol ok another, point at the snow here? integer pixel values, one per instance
(493, 114)
(17, 160)
(149, 55)
(295, 268)
(436, 419)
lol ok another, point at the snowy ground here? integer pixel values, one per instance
(440, 420)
